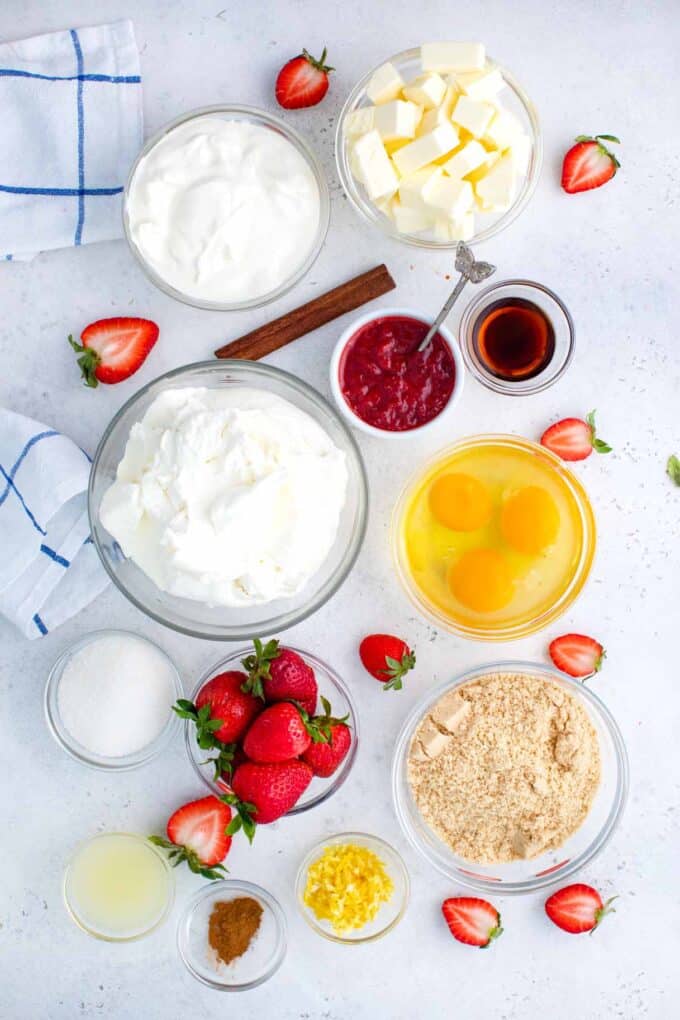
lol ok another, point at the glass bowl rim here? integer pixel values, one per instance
(499, 385)
(257, 892)
(317, 848)
(363, 206)
(578, 581)
(63, 738)
(248, 113)
(127, 938)
(553, 875)
(286, 620)
(336, 780)
(347, 334)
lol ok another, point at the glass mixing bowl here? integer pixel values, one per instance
(523, 876)
(253, 116)
(230, 623)
(331, 686)
(487, 225)
(498, 629)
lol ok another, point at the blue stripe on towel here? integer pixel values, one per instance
(12, 190)
(54, 555)
(81, 140)
(39, 624)
(116, 79)
(17, 463)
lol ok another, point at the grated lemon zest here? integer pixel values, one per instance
(346, 886)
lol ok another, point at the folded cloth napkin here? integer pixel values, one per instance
(71, 128)
(49, 568)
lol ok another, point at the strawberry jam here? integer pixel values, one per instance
(387, 382)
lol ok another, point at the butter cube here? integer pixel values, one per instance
(432, 741)
(463, 229)
(520, 153)
(496, 189)
(411, 220)
(386, 206)
(440, 114)
(442, 230)
(451, 712)
(426, 149)
(483, 86)
(503, 130)
(385, 84)
(396, 119)
(359, 122)
(427, 91)
(472, 115)
(453, 198)
(375, 169)
(413, 190)
(467, 159)
(452, 56)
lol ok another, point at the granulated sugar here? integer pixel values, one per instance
(116, 694)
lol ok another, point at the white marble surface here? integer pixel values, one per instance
(609, 65)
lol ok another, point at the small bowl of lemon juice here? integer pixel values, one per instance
(118, 887)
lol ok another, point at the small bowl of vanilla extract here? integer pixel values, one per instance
(517, 337)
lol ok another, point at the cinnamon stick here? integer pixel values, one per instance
(308, 317)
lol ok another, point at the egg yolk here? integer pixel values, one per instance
(530, 520)
(481, 579)
(460, 502)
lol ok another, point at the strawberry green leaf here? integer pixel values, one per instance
(673, 469)
(257, 666)
(599, 445)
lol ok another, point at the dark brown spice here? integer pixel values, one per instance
(232, 926)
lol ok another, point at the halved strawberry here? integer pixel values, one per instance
(303, 81)
(113, 349)
(577, 655)
(577, 908)
(574, 439)
(472, 921)
(197, 834)
(589, 164)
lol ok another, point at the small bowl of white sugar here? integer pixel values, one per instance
(109, 698)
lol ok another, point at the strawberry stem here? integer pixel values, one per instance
(88, 362)
(397, 670)
(258, 666)
(243, 819)
(180, 854)
(605, 909)
(319, 64)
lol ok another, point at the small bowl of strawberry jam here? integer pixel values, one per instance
(383, 384)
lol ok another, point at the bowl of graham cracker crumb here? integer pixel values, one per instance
(510, 777)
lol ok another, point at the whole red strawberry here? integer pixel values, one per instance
(387, 658)
(229, 703)
(280, 674)
(198, 833)
(303, 81)
(324, 757)
(281, 732)
(263, 793)
(577, 908)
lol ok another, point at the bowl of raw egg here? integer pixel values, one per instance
(493, 538)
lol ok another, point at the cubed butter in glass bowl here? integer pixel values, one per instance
(439, 144)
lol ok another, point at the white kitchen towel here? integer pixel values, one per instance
(71, 107)
(49, 568)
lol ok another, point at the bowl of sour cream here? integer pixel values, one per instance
(226, 207)
(227, 500)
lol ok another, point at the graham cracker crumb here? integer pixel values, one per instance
(506, 770)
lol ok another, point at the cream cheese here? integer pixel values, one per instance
(227, 496)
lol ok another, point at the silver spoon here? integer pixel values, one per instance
(469, 270)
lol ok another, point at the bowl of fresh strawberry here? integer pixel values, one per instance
(271, 729)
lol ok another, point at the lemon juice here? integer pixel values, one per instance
(118, 886)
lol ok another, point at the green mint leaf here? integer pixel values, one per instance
(673, 469)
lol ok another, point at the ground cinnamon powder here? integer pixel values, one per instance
(232, 926)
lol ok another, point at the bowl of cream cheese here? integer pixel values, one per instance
(228, 499)
(226, 207)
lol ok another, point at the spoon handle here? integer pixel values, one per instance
(453, 297)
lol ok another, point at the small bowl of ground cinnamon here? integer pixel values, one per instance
(232, 935)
